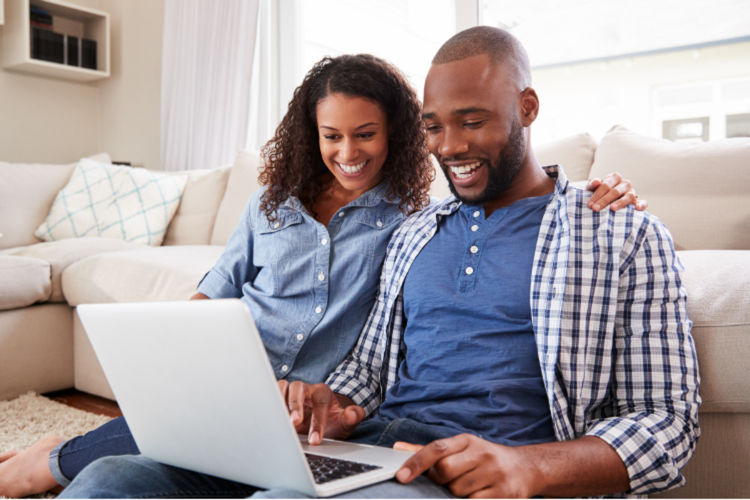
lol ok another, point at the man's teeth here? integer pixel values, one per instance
(352, 169)
(465, 171)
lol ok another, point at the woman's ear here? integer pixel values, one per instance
(529, 106)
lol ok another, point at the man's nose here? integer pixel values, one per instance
(452, 142)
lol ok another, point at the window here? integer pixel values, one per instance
(595, 63)
(646, 65)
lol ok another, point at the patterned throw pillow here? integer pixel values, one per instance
(111, 201)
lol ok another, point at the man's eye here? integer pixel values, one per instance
(473, 124)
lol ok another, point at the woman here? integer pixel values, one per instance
(347, 164)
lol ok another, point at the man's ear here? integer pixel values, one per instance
(529, 106)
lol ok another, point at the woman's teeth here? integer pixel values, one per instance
(352, 169)
(465, 171)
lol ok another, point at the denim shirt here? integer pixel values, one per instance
(309, 287)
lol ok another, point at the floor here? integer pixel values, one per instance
(86, 402)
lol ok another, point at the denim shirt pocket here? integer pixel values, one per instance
(380, 224)
(277, 251)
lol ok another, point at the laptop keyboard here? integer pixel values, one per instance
(326, 469)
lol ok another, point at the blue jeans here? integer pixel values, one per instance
(70, 457)
(133, 476)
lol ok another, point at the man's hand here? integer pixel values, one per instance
(471, 467)
(318, 411)
(615, 192)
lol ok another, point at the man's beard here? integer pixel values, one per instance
(500, 173)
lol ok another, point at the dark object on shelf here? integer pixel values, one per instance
(72, 50)
(88, 53)
(46, 45)
(40, 18)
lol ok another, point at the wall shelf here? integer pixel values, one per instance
(86, 22)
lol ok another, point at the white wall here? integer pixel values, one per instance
(59, 121)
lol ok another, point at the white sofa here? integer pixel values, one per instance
(701, 191)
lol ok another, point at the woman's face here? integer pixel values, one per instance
(353, 138)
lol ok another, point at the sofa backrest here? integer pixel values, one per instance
(27, 191)
(193, 222)
(701, 191)
(243, 181)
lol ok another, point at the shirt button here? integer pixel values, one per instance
(276, 225)
(319, 309)
(469, 270)
(324, 241)
(474, 228)
(379, 223)
(476, 214)
(321, 277)
(341, 214)
(284, 368)
(474, 249)
(300, 337)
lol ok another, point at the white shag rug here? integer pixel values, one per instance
(30, 416)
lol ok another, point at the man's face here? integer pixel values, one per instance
(473, 127)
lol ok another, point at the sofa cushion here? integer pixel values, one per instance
(140, 274)
(131, 204)
(718, 287)
(27, 191)
(62, 253)
(574, 153)
(243, 180)
(701, 191)
(23, 281)
(193, 222)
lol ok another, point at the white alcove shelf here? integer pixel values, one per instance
(87, 23)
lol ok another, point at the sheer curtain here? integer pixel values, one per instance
(207, 61)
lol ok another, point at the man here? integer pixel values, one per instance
(533, 346)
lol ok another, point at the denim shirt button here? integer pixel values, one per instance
(379, 223)
(474, 228)
(319, 309)
(321, 277)
(341, 214)
(324, 241)
(284, 368)
(300, 337)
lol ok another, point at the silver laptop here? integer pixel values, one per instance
(195, 385)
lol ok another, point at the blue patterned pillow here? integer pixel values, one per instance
(111, 201)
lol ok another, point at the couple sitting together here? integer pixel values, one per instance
(522, 341)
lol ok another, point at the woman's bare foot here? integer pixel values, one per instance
(26, 472)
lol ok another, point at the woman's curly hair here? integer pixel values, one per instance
(292, 162)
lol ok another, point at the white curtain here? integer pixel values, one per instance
(207, 61)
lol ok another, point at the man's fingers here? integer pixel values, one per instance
(321, 398)
(428, 456)
(404, 446)
(296, 395)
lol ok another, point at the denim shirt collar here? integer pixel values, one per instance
(370, 198)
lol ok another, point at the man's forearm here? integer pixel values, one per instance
(582, 467)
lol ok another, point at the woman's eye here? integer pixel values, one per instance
(433, 128)
(366, 135)
(330, 137)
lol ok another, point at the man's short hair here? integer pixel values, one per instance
(498, 44)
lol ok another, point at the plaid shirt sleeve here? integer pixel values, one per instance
(655, 428)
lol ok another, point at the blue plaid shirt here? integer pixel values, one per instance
(610, 320)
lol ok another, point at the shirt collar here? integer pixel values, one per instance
(370, 198)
